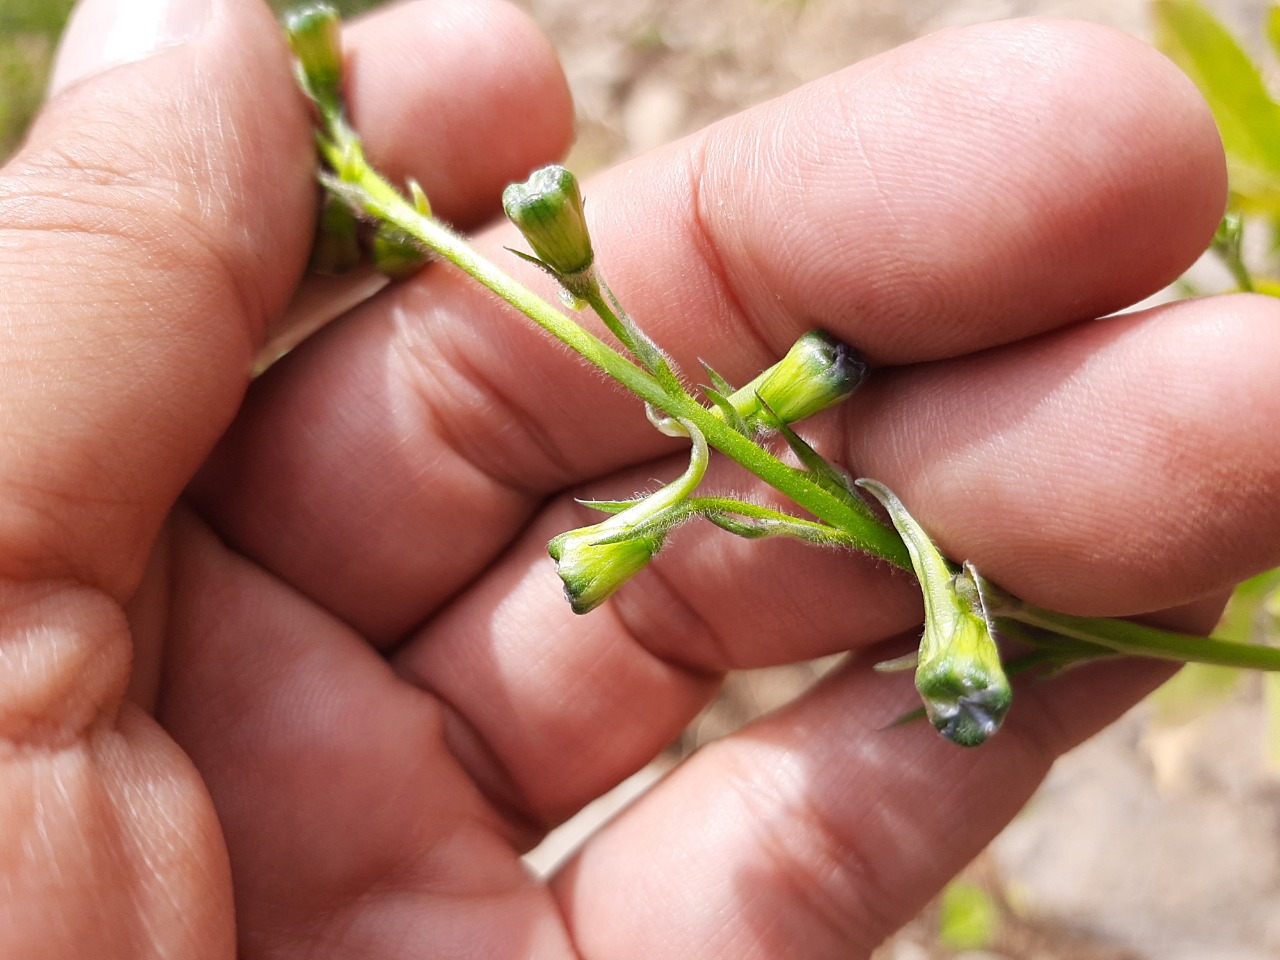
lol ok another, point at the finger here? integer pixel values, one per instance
(154, 224)
(815, 832)
(171, 238)
(351, 829)
(140, 220)
(154, 221)
(917, 205)
(1115, 468)
(465, 97)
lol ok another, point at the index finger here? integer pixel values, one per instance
(963, 191)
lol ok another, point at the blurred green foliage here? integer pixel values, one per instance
(968, 917)
(29, 31)
(1235, 84)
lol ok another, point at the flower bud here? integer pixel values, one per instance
(960, 678)
(959, 675)
(595, 561)
(316, 40)
(547, 208)
(336, 246)
(817, 372)
(592, 570)
(1229, 232)
(396, 254)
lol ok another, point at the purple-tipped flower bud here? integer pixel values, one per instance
(595, 561)
(818, 372)
(591, 570)
(547, 209)
(959, 676)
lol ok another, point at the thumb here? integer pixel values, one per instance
(157, 216)
(155, 219)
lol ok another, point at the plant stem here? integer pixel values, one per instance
(1136, 639)
(663, 391)
(601, 299)
(381, 200)
(1125, 636)
(1239, 271)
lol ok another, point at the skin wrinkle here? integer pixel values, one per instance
(493, 462)
(680, 624)
(705, 241)
(34, 204)
(805, 851)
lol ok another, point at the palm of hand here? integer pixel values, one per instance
(348, 623)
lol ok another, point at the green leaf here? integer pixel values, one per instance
(610, 506)
(1273, 28)
(1240, 621)
(728, 411)
(720, 384)
(1248, 118)
(753, 521)
(826, 473)
(743, 527)
(35, 16)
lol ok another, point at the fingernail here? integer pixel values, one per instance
(106, 33)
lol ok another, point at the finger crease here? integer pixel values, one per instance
(705, 243)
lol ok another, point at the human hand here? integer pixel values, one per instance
(347, 630)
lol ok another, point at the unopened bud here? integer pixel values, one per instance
(590, 570)
(315, 37)
(547, 209)
(818, 372)
(396, 254)
(595, 561)
(959, 675)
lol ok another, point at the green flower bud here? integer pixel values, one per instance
(315, 37)
(336, 247)
(595, 561)
(817, 372)
(959, 675)
(592, 570)
(960, 678)
(547, 208)
(396, 254)
(1230, 231)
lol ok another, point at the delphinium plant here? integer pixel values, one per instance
(975, 634)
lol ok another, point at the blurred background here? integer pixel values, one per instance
(1158, 839)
